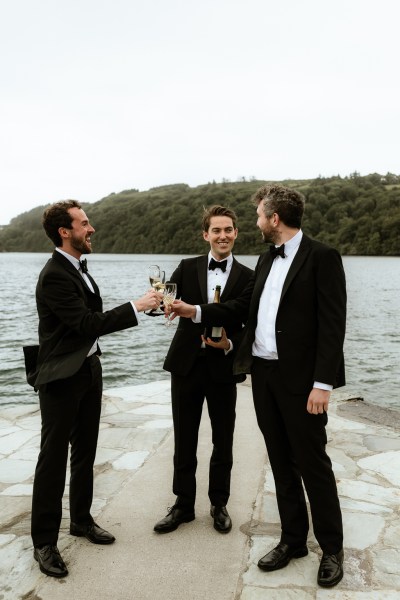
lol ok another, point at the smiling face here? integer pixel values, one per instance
(77, 240)
(221, 236)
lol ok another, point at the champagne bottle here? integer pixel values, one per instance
(215, 332)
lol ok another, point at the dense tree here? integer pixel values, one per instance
(356, 214)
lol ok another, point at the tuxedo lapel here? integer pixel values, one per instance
(296, 265)
(202, 266)
(94, 284)
(231, 281)
(262, 274)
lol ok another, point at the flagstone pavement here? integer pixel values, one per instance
(133, 475)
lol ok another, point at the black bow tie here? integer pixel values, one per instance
(218, 265)
(277, 251)
(83, 265)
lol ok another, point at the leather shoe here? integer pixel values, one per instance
(222, 520)
(92, 532)
(50, 561)
(330, 570)
(175, 517)
(281, 556)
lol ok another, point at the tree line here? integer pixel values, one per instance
(358, 215)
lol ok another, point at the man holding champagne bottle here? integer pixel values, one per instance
(200, 372)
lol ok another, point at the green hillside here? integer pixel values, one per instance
(359, 215)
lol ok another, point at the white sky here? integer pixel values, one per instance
(98, 96)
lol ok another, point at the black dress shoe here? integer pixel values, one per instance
(92, 532)
(50, 561)
(222, 520)
(175, 517)
(281, 556)
(330, 570)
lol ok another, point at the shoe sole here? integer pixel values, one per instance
(169, 529)
(227, 530)
(299, 554)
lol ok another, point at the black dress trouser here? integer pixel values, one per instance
(296, 442)
(188, 394)
(70, 410)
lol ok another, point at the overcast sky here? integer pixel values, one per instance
(98, 96)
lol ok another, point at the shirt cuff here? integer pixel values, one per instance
(136, 310)
(230, 347)
(197, 318)
(323, 386)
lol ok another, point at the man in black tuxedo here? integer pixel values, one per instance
(199, 371)
(295, 312)
(68, 377)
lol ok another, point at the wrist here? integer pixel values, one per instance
(140, 307)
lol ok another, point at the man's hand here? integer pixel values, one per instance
(223, 343)
(181, 309)
(149, 301)
(318, 401)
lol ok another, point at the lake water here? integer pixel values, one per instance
(135, 356)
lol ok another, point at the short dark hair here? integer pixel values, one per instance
(286, 202)
(217, 211)
(57, 215)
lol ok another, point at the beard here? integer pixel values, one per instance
(267, 237)
(81, 246)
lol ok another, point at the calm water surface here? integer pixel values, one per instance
(135, 356)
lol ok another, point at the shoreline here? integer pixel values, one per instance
(348, 404)
(372, 414)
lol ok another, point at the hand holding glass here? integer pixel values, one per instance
(168, 299)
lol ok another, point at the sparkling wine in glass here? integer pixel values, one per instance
(168, 299)
(154, 274)
(157, 282)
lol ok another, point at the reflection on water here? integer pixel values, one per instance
(135, 356)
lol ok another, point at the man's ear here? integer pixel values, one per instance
(64, 233)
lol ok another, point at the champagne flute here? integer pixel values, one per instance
(157, 282)
(154, 275)
(159, 286)
(168, 299)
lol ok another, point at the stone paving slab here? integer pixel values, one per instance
(133, 473)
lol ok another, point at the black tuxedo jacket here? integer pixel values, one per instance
(191, 279)
(310, 322)
(71, 318)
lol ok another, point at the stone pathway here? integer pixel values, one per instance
(133, 424)
(366, 461)
(136, 423)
